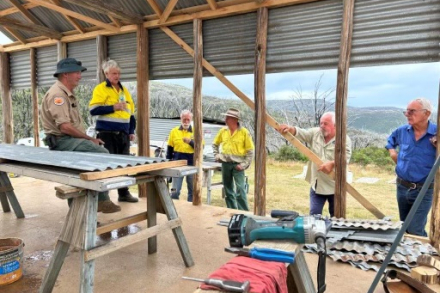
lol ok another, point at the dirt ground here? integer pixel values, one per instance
(132, 269)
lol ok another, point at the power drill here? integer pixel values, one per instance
(243, 230)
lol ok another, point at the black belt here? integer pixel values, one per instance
(412, 185)
(111, 132)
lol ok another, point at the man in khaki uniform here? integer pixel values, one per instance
(321, 141)
(62, 123)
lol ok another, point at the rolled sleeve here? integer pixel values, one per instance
(392, 141)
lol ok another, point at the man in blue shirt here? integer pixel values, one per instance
(416, 156)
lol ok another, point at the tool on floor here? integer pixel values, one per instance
(243, 230)
(227, 285)
(266, 254)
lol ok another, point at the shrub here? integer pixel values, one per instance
(289, 153)
(372, 156)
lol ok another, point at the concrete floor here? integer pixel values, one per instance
(132, 269)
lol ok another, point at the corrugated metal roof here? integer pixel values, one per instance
(19, 17)
(365, 224)
(387, 236)
(405, 248)
(359, 254)
(69, 160)
(52, 19)
(5, 5)
(86, 12)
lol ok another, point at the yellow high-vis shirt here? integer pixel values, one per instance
(237, 144)
(175, 139)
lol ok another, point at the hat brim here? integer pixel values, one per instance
(233, 116)
(74, 68)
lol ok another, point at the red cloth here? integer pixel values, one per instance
(264, 276)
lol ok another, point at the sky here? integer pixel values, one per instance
(379, 86)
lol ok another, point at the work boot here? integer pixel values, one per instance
(108, 207)
(127, 197)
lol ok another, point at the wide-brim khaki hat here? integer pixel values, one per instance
(67, 65)
(232, 112)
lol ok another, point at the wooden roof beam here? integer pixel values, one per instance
(72, 21)
(42, 30)
(74, 14)
(223, 12)
(167, 11)
(14, 9)
(228, 8)
(16, 35)
(110, 9)
(155, 7)
(212, 4)
(25, 12)
(115, 21)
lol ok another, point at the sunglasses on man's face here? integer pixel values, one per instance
(411, 112)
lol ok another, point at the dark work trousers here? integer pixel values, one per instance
(118, 143)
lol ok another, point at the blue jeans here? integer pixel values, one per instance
(405, 199)
(177, 186)
(317, 202)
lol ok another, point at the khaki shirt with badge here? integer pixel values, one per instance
(59, 106)
(313, 137)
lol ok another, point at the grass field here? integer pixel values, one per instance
(283, 192)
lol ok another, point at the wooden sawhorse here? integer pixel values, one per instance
(7, 193)
(80, 229)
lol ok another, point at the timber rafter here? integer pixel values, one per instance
(225, 8)
(17, 25)
(104, 7)
(74, 14)
(70, 19)
(25, 12)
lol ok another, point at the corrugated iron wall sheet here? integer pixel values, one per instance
(167, 59)
(304, 37)
(46, 65)
(122, 49)
(20, 64)
(85, 51)
(229, 43)
(395, 32)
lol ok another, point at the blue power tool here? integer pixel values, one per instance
(243, 230)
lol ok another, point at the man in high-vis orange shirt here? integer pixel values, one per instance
(237, 151)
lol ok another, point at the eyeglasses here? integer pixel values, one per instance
(411, 112)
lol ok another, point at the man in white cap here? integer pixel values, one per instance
(236, 156)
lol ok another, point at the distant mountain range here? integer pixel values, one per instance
(380, 120)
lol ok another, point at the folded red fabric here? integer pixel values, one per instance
(264, 276)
